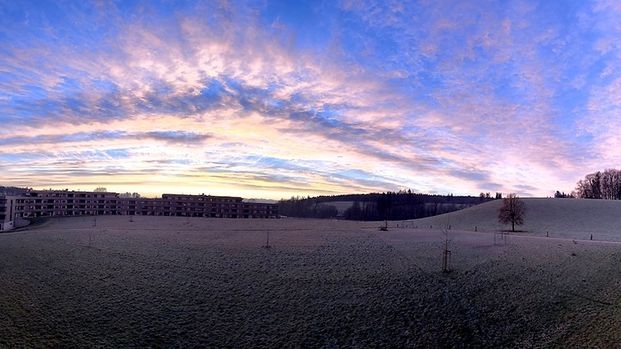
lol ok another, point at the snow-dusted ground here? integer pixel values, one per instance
(178, 282)
(566, 218)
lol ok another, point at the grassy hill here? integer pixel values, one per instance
(571, 218)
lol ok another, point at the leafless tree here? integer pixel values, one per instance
(267, 241)
(446, 253)
(512, 211)
(600, 185)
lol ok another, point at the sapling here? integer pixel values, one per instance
(446, 254)
(267, 240)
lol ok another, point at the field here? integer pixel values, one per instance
(179, 282)
(566, 218)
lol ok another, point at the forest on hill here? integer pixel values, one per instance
(379, 206)
(12, 191)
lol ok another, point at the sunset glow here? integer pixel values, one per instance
(273, 99)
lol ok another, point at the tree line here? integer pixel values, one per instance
(10, 191)
(600, 185)
(378, 206)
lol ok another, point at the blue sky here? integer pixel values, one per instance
(272, 99)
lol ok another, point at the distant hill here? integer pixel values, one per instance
(12, 190)
(376, 206)
(571, 218)
(261, 201)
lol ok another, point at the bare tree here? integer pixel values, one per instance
(512, 211)
(600, 185)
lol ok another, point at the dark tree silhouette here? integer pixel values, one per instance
(562, 195)
(512, 211)
(377, 206)
(600, 185)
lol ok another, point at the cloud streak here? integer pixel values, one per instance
(360, 96)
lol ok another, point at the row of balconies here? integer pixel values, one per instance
(38, 201)
(201, 199)
(117, 208)
(144, 213)
(164, 208)
(72, 195)
(111, 208)
(133, 203)
(188, 206)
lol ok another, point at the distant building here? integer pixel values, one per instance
(62, 203)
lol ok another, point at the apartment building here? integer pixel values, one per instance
(59, 203)
(197, 206)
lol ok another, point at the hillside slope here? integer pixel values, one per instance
(571, 218)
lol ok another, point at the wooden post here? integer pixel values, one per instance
(446, 255)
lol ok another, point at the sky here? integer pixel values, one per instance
(269, 99)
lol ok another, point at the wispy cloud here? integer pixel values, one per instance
(360, 96)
